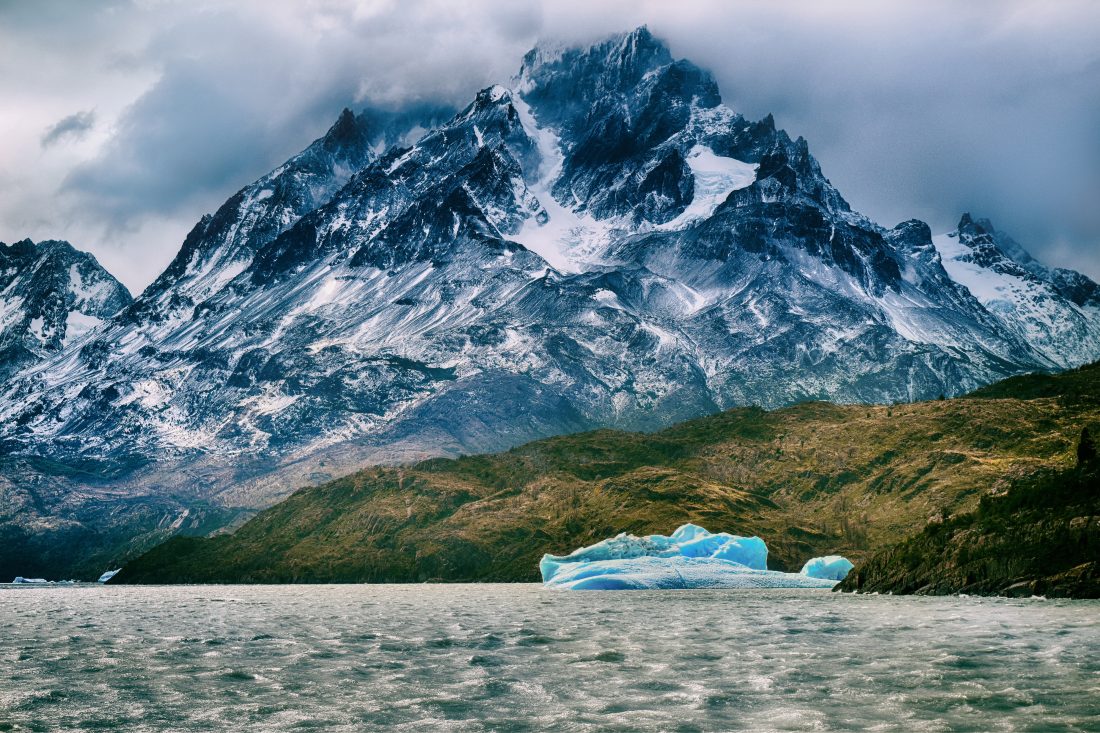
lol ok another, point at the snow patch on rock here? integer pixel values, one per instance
(568, 241)
(716, 177)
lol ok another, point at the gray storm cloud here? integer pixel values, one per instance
(71, 127)
(914, 109)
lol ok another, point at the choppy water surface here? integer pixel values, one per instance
(505, 657)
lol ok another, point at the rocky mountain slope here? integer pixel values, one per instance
(50, 295)
(811, 480)
(1057, 311)
(63, 522)
(601, 243)
(606, 242)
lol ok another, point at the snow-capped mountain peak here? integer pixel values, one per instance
(51, 294)
(1058, 315)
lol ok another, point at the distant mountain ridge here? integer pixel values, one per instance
(603, 243)
(51, 294)
(1057, 311)
(222, 245)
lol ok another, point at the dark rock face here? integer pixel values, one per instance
(1040, 538)
(50, 295)
(1076, 287)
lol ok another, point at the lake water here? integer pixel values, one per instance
(518, 657)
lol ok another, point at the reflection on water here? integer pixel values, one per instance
(518, 657)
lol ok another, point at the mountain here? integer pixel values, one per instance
(1057, 311)
(812, 479)
(64, 521)
(68, 510)
(222, 245)
(602, 243)
(50, 295)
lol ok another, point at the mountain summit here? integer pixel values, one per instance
(604, 243)
(50, 295)
(1056, 311)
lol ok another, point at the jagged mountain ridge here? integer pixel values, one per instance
(603, 244)
(221, 245)
(50, 295)
(1057, 311)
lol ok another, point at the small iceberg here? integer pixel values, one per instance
(691, 557)
(20, 580)
(830, 567)
(108, 575)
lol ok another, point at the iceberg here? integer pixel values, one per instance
(691, 557)
(830, 567)
(108, 575)
(20, 580)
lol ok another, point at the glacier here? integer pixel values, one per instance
(715, 177)
(830, 567)
(691, 557)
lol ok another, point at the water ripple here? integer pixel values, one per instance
(519, 658)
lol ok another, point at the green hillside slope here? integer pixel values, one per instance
(1041, 537)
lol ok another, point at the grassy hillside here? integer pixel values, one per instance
(810, 479)
(1041, 537)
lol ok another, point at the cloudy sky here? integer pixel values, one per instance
(123, 121)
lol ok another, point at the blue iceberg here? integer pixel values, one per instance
(830, 567)
(691, 557)
(108, 575)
